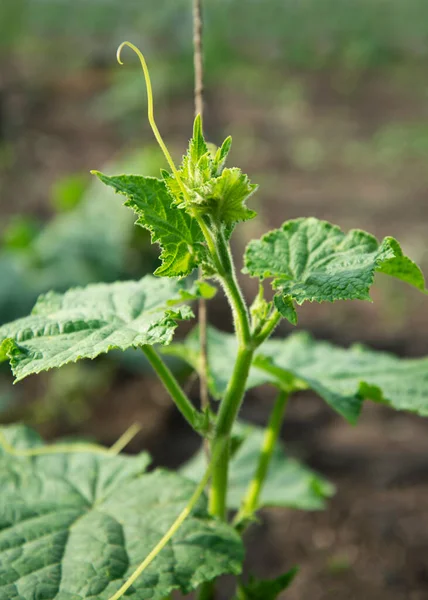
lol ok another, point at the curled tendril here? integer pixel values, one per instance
(150, 110)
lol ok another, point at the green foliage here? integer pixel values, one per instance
(211, 190)
(172, 208)
(93, 242)
(86, 322)
(67, 192)
(19, 233)
(312, 260)
(77, 525)
(288, 484)
(177, 232)
(345, 377)
(266, 589)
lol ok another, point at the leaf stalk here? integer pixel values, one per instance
(251, 499)
(195, 418)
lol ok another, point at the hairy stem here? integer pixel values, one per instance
(228, 412)
(268, 327)
(252, 496)
(232, 400)
(241, 316)
(189, 412)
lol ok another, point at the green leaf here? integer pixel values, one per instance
(313, 260)
(223, 198)
(76, 526)
(177, 232)
(289, 483)
(222, 350)
(345, 377)
(266, 589)
(86, 322)
(285, 306)
(342, 377)
(221, 156)
(197, 146)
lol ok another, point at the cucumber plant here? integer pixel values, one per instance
(79, 521)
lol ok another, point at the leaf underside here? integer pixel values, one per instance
(312, 260)
(86, 322)
(344, 378)
(288, 484)
(177, 233)
(76, 526)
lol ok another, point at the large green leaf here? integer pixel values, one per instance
(345, 377)
(86, 322)
(178, 233)
(76, 526)
(314, 260)
(289, 483)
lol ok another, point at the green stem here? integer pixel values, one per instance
(189, 412)
(228, 412)
(268, 327)
(251, 499)
(210, 243)
(232, 400)
(241, 316)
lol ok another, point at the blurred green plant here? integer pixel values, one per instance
(67, 192)
(91, 239)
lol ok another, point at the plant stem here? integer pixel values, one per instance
(189, 412)
(252, 496)
(268, 327)
(232, 400)
(241, 316)
(228, 412)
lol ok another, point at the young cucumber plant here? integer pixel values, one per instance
(81, 522)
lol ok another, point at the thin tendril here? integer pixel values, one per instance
(151, 112)
(71, 448)
(124, 439)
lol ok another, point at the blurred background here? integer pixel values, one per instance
(327, 103)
